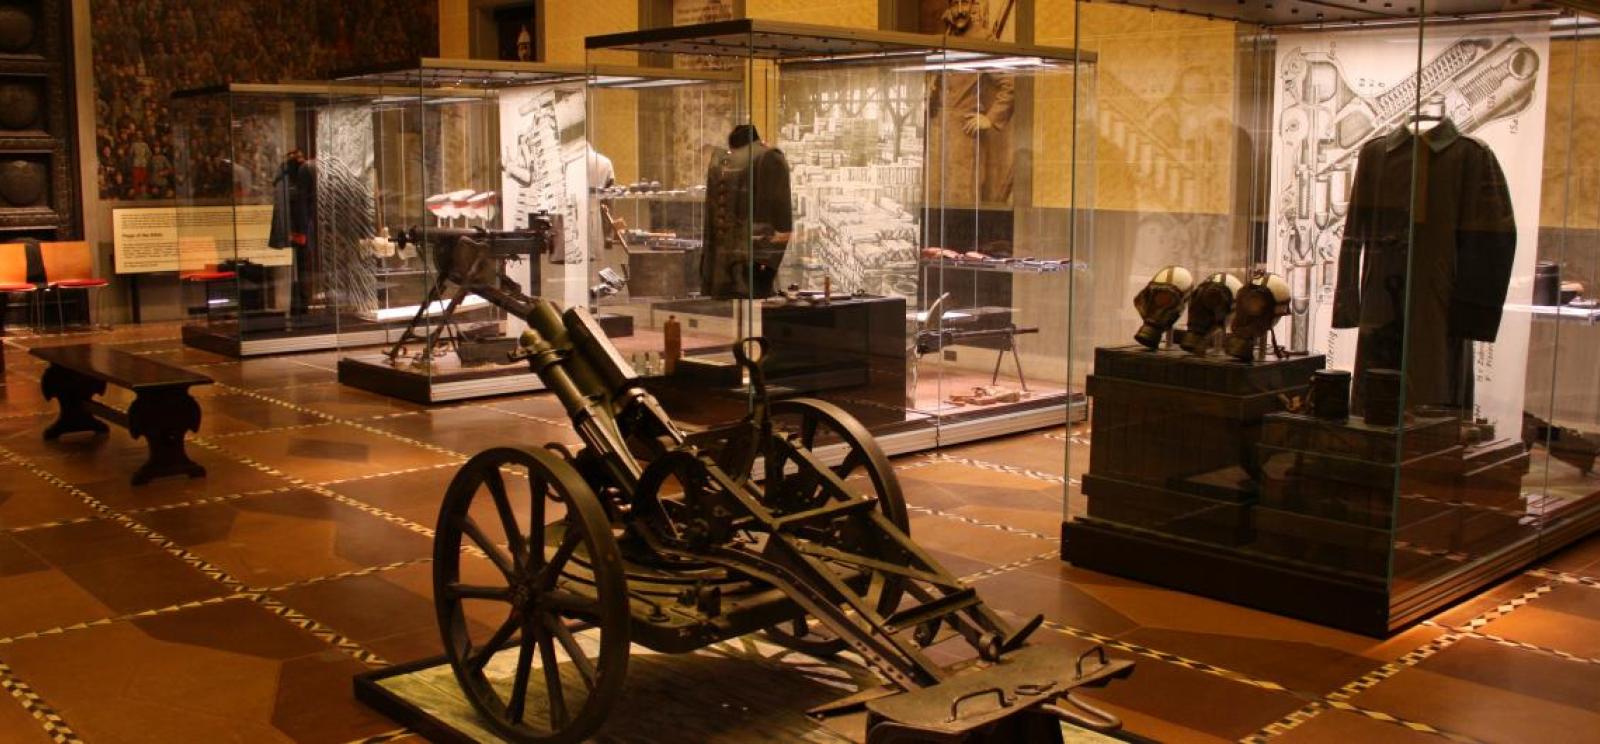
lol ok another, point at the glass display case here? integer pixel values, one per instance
(479, 174)
(255, 258)
(890, 211)
(1332, 304)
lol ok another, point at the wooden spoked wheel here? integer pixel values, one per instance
(846, 448)
(552, 588)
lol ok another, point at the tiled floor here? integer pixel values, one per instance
(237, 607)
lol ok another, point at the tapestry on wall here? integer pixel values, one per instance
(144, 50)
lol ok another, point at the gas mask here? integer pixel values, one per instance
(1161, 303)
(1256, 309)
(1209, 307)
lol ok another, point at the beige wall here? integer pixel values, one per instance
(846, 13)
(1572, 160)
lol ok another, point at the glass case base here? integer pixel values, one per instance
(447, 381)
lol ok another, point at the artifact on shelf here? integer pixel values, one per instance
(671, 344)
(1209, 308)
(611, 283)
(1256, 310)
(1329, 397)
(988, 395)
(1383, 388)
(1160, 304)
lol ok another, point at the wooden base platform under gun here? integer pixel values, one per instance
(790, 522)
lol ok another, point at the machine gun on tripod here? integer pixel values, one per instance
(470, 261)
(790, 522)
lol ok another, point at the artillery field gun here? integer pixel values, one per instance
(789, 522)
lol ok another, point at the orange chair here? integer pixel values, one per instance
(68, 265)
(14, 275)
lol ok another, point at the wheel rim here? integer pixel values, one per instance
(553, 589)
(813, 425)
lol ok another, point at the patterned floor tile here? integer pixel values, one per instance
(276, 538)
(1342, 727)
(1166, 702)
(340, 401)
(88, 571)
(1567, 620)
(330, 452)
(234, 413)
(391, 612)
(27, 499)
(1494, 693)
(470, 429)
(233, 671)
(974, 543)
(18, 725)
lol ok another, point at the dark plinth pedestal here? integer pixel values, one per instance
(851, 351)
(1174, 438)
(1328, 488)
(1199, 481)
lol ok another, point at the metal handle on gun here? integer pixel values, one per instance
(955, 705)
(752, 365)
(1101, 650)
(1083, 714)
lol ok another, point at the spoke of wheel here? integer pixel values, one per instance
(558, 628)
(473, 591)
(568, 603)
(519, 683)
(508, 518)
(536, 489)
(496, 555)
(552, 569)
(852, 461)
(808, 430)
(492, 646)
(552, 682)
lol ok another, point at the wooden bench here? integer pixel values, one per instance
(162, 411)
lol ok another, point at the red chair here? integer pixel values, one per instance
(68, 265)
(14, 276)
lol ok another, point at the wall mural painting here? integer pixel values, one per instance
(144, 50)
(970, 134)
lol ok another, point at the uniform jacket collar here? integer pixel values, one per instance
(1438, 138)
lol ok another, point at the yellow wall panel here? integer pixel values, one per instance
(1164, 133)
(846, 13)
(1571, 195)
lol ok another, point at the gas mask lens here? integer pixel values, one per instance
(1209, 307)
(1257, 308)
(1161, 303)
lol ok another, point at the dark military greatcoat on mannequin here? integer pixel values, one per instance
(294, 226)
(747, 202)
(1456, 248)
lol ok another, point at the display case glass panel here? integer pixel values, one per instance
(1319, 313)
(476, 171)
(255, 262)
(920, 275)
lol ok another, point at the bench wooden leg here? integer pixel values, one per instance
(163, 418)
(73, 391)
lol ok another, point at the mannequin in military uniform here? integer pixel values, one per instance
(294, 225)
(748, 218)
